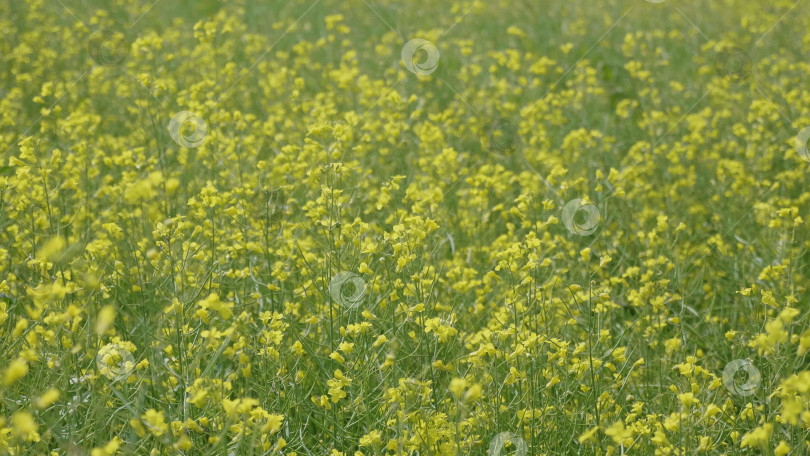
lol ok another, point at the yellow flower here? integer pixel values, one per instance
(183, 443)
(585, 254)
(804, 343)
(24, 427)
(47, 399)
(106, 316)
(618, 433)
(589, 435)
(155, 422)
(274, 422)
(337, 357)
(110, 449)
(337, 384)
(758, 437)
(457, 387)
(712, 410)
(660, 438)
(212, 302)
(15, 371)
(346, 347)
(473, 394)
(372, 438)
(52, 249)
(688, 399)
(782, 449)
(381, 339)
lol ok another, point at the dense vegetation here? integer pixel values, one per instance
(369, 227)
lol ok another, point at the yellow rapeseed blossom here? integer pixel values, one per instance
(15, 371)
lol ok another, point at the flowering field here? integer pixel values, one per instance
(376, 227)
